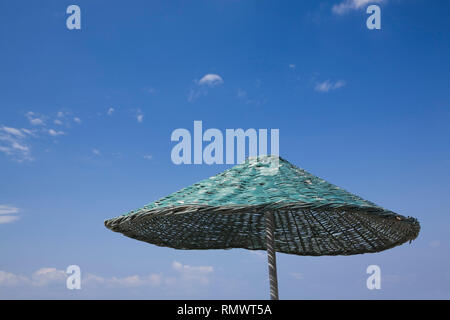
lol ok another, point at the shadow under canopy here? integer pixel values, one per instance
(267, 203)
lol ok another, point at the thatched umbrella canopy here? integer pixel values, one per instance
(268, 204)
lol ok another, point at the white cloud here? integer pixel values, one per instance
(7, 214)
(148, 157)
(127, 282)
(34, 119)
(17, 146)
(348, 5)
(5, 150)
(6, 209)
(13, 131)
(191, 275)
(243, 96)
(139, 116)
(211, 80)
(48, 276)
(8, 219)
(55, 133)
(43, 277)
(36, 122)
(65, 118)
(201, 86)
(12, 143)
(339, 84)
(195, 93)
(110, 111)
(29, 132)
(185, 275)
(15, 143)
(198, 274)
(328, 85)
(292, 66)
(96, 152)
(184, 268)
(9, 279)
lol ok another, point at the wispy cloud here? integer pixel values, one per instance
(201, 87)
(125, 282)
(198, 274)
(34, 119)
(110, 111)
(13, 143)
(211, 80)
(148, 157)
(328, 85)
(349, 5)
(55, 133)
(257, 101)
(16, 142)
(7, 209)
(139, 116)
(45, 277)
(8, 219)
(96, 152)
(8, 279)
(8, 214)
(184, 274)
(13, 131)
(65, 117)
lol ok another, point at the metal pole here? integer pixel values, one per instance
(271, 255)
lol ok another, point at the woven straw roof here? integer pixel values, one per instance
(312, 216)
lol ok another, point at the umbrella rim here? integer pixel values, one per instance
(114, 223)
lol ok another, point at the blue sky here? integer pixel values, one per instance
(86, 118)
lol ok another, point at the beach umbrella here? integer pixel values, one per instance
(266, 203)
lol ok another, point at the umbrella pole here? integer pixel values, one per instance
(271, 255)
